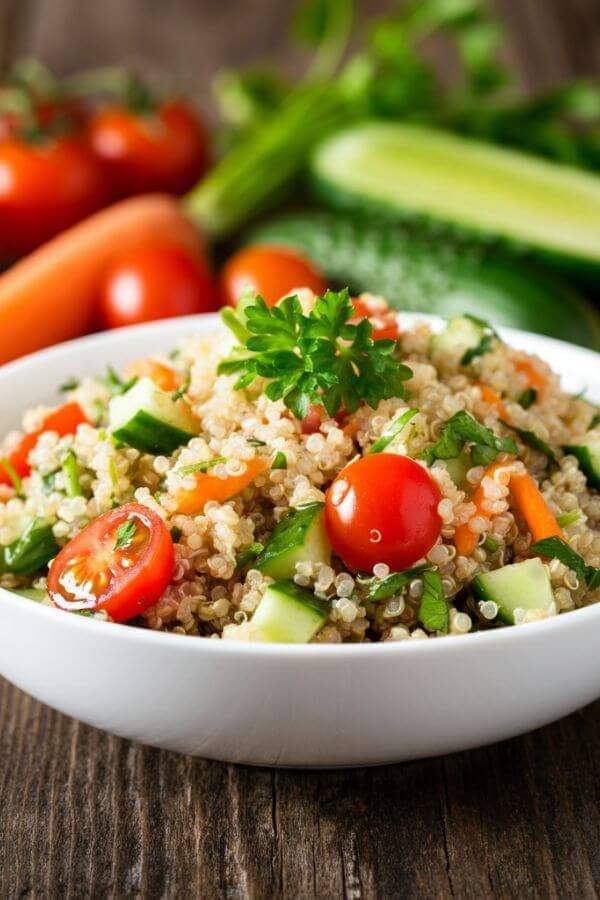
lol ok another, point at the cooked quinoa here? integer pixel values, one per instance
(211, 596)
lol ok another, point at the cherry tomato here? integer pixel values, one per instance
(163, 150)
(271, 272)
(383, 319)
(382, 508)
(64, 420)
(122, 563)
(45, 188)
(155, 281)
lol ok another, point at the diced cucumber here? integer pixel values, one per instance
(149, 420)
(288, 614)
(589, 461)
(460, 333)
(300, 537)
(457, 469)
(522, 585)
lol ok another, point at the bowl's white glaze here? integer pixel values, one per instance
(290, 705)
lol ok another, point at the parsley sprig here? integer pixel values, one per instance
(461, 429)
(317, 358)
(557, 548)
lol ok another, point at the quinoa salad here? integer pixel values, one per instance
(314, 472)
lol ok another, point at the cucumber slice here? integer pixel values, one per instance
(589, 461)
(288, 614)
(460, 334)
(300, 537)
(522, 585)
(473, 187)
(149, 420)
(457, 469)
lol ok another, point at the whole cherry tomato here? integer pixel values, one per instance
(44, 188)
(269, 271)
(121, 563)
(164, 149)
(155, 281)
(382, 508)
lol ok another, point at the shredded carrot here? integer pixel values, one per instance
(465, 539)
(209, 487)
(492, 398)
(534, 377)
(164, 377)
(534, 509)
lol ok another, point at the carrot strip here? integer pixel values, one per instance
(209, 487)
(534, 509)
(466, 540)
(535, 379)
(492, 398)
(51, 295)
(164, 377)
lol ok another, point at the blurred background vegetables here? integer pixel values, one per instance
(345, 175)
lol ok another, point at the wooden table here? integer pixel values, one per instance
(84, 814)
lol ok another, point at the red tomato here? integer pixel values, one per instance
(155, 281)
(92, 572)
(64, 420)
(271, 272)
(45, 188)
(164, 150)
(382, 508)
(383, 319)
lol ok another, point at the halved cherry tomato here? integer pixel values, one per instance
(382, 508)
(164, 149)
(64, 420)
(383, 319)
(121, 563)
(272, 272)
(164, 377)
(44, 188)
(155, 281)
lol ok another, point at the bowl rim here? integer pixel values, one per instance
(495, 636)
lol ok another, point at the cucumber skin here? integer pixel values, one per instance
(586, 464)
(505, 610)
(149, 435)
(417, 271)
(300, 603)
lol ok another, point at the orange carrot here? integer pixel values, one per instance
(533, 376)
(534, 509)
(465, 539)
(209, 487)
(50, 295)
(164, 377)
(492, 398)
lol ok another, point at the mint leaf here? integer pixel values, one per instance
(125, 534)
(557, 548)
(434, 611)
(460, 429)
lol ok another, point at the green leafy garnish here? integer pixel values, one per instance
(99, 412)
(393, 429)
(69, 385)
(392, 585)
(31, 552)
(203, 466)
(569, 518)
(125, 534)
(280, 461)
(70, 470)
(530, 439)
(115, 384)
(460, 429)
(490, 544)
(595, 421)
(181, 390)
(12, 474)
(527, 398)
(434, 611)
(254, 442)
(487, 342)
(246, 556)
(557, 548)
(176, 534)
(317, 358)
(48, 481)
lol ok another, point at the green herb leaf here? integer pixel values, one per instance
(460, 429)
(434, 611)
(70, 470)
(125, 534)
(31, 552)
(527, 398)
(182, 389)
(569, 518)
(393, 429)
(490, 544)
(69, 385)
(115, 384)
(317, 358)
(595, 421)
(48, 481)
(176, 534)
(393, 584)
(254, 442)
(203, 466)
(280, 461)
(488, 342)
(557, 548)
(531, 439)
(246, 556)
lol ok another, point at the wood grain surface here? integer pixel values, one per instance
(83, 814)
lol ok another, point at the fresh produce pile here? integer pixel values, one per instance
(380, 175)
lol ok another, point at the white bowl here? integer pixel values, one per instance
(285, 705)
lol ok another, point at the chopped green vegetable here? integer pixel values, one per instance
(490, 544)
(12, 474)
(31, 552)
(125, 534)
(557, 548)
(248, 555)
(203, 466)
(70, 470)
(393, 584)
(48, 481)
(176, 534)
(595, 421)
(569, 518)
(488, 341)
(254, 442)
(181, 390)
(280, 461)
(113, 473)
(460, 429)
(531, 439)
(70, 385)
(317, 358)
(115, 384)
(434, 612)
(527, 398)
(393, 429)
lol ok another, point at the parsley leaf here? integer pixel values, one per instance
(531, 439)
(393, 429)
(557, 548)
(203, 466)
(69, 385)
(317, 358)
(434, 612)
(393, 584)
(280, 461)
(460, 429)
(125, 534)
(527, 398)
